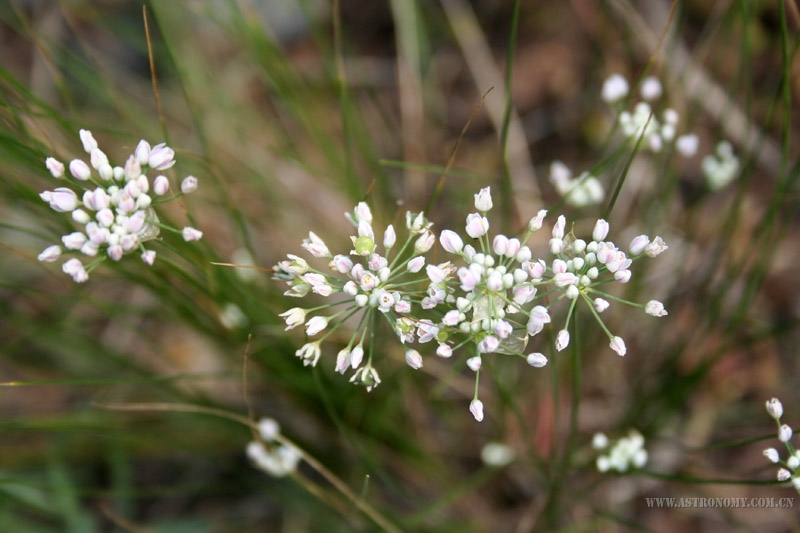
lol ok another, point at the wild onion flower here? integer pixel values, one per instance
(276, 459)
(489, 296)
(114, 206)
(628, 452)
(790, 470)
(656, 124)
(370, 283)
(721, 167)
(578, 192)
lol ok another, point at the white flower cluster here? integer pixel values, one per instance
(114, 207)
(267, 455)
(500, 280)
(656, 131)
(578, 192)
(628, 452)
(485, 299)
(373, 286)
(790, 471)
(721, 167)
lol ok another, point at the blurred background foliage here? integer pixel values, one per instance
(289, 112)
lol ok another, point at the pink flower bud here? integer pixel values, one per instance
(622, 276)
(73, 267)
(503, 329)
(416, 264)
(143, 202)
(80, 216)
(189, 184)
(55, 167)
(115, 252)
(483, 200)
(477, 225)
(468, 278)
(74, 241)
(96, 234)
(772, 455)
(98, 159)
(655, 308)
(80, 170)
(476, 408)
(160, 185)
(403, 307)
(655, 248)
(523, 294)
(129, 242)
(435, 274)
(294, 317)
(451, 318)
(488, 344)
(105, 217)
(89, 143)
(451, 241)
(784, 433)
(536, 222)
(161, 157)
(315, 325)
(474, 363)
(126, 203)
(342, 361)
(142, 152)
(356, 356)
(424, 243)
(500, 244)
(638, 245)
(775, 408)
(413, 359)
(494, 282)
(444, 350)
(132, 189)
(191, 234)
(537, 360)
(136, 222)
(63, 200)
(362, 212)
(100, 199)
(50, 254)
(618, 345)
(564, 279)
(600, 232)
(389, 237)
(342, 263)
(149, 257)
(558, 229)
(600, 305)
(562, 340)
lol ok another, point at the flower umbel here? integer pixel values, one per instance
(115, 209)
(628, 452)
(490, 298)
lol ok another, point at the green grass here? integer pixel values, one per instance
(125, 400)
